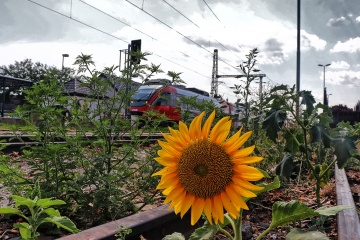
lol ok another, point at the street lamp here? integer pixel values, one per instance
(62, 68)
(324, 66)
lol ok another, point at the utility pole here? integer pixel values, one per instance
(214, 80)
(130, 60)
(216, 76)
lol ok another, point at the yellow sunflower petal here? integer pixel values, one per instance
(248, 173)
(187, 202)
(166, 170)
(174, 194)
(232, 139)
(218, 128)
(247, 185)
(235, 197)
(247, 160)
(195, 127)
(207, 209)
(176, 134)
(174, 142)
(238, 201)
(165, 161)
(196, 210)
(228, 205)
(179, 201)
(242, 152)
(223, 133)
(168, 183)
(206, 128)
(218, 208)
(244, 192)
(167, 147)
(184, 131)
(239, 142)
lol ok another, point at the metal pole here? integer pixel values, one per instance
(298, 56)
(324, 94)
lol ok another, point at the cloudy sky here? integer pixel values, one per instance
(182, 35)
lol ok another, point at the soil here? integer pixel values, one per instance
(257, 219)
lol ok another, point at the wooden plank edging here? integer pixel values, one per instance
(348, 220)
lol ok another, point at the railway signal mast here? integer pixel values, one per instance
(216, 76)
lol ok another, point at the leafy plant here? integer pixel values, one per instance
(305, 134)
(40, 212)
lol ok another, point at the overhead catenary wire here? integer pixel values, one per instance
(123, 40)
(152, 37)
(167, 25)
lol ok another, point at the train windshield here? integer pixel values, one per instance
(143, 94)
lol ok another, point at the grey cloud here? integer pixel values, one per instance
(210, 44)
(273, 48)
(350, 81)
(338, 22)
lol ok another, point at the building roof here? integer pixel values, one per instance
(7, 81)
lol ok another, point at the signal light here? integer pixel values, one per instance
(134, 47)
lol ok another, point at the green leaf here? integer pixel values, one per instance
(285, 213)
(62, 222)
(319, 133)
(10, 210)
(207, 231)
(266, 187)
(292, 144)
(25, 230)
(332, 210)
(52, 212)
(281, 87)
(286, 166)
(343, 150)
(174, 236)
(21, 201)
(48, 202)
(308, 100)
(273, 122)
(298, 234)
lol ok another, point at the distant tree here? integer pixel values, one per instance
(357, 106)
(35, 72)
(341, 108)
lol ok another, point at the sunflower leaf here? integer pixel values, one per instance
(344, 147)
(287, 212)
(174, 236)
(266, 187)
(273, 122)
(207, 231)
(298, 234)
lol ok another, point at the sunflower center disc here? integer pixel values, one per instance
(205, 169)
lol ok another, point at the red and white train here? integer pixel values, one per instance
(161, 96)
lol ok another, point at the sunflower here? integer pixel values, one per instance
(206, 170)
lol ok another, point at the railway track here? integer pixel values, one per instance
(10, 142)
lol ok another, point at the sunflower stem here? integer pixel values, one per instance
(237, 228)
(226, 233)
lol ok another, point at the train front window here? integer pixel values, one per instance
(143, 94)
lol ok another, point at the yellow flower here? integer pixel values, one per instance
(206, 170)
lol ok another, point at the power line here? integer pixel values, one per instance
(211, 10)
(87, 25)
(157, 19)
(180, 13)
(153, 38)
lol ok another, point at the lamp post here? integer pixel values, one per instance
(324, 66)
(62, 68)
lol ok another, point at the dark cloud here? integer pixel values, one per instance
(338, 22)
(18, 22)
(211, 44)
(273, 48)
